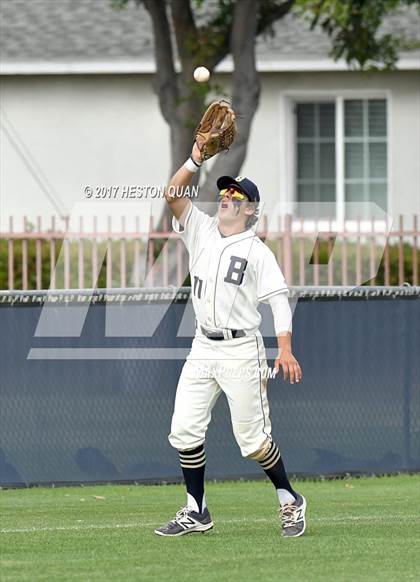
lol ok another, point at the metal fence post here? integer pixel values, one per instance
(287, 249)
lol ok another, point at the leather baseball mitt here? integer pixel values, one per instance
(216, 130)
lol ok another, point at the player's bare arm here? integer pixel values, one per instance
(176, 192)
(286, 360)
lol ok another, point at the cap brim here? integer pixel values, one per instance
(226, 181)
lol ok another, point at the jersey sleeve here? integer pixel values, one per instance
(195, 222)
(270, 279)
(282, 314)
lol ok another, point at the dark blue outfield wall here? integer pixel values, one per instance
(107, 418)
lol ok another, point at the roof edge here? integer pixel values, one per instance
(133, 66)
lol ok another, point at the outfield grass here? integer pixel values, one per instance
(358, 529)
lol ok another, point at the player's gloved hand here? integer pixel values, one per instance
(217, 129)
(291, 368)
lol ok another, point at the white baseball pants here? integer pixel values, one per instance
(236, 367)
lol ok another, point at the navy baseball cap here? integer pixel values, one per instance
(243, 184)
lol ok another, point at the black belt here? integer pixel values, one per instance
(219, 336)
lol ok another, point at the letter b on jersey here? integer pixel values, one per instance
(236, 270)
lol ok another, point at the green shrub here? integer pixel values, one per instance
(158, 245)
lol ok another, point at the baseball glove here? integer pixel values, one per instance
(216, 130)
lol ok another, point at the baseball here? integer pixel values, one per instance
(201, 74)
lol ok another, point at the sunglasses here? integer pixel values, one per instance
(236, 195)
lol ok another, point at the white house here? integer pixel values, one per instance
(78, 109)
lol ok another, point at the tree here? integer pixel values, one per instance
(232, 28)
(354, 29)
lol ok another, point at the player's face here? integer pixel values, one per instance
(232, 206)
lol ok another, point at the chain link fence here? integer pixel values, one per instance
(84, 406)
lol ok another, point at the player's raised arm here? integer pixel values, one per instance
(215, 133)
(177, 189)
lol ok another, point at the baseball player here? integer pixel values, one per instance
(232, 270)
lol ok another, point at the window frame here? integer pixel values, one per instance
(288, 157)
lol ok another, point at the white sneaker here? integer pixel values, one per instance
(292, 516)
(186, 521)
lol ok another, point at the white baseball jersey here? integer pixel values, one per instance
(229, 275)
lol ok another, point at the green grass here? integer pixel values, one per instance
(358, 529)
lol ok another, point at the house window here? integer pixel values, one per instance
(341, 156)
(365, 153)
(315, 157)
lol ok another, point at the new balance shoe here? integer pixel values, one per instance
(186, 521)
(292, 516)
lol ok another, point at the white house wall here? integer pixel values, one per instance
(81, 130)
(269, 159)
(101, 130)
